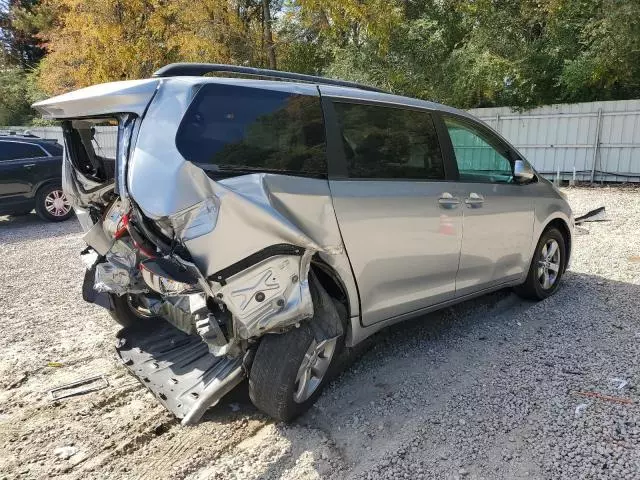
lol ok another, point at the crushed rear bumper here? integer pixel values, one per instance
(178, 369)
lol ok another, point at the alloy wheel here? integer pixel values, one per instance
(313, 368)
(549, 264)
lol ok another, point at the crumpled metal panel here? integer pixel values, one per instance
(269, 295)
(118, 275)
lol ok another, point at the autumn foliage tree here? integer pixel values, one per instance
(520, 53)
(106, 40)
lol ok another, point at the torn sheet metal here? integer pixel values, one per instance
(270, 295)
(178, 369)
(119, 274)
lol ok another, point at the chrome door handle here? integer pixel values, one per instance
(447, 200)
(29, 165)
(474, 200)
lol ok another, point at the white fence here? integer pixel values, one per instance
(598, 141)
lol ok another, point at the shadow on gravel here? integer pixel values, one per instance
(31, 227)
(573, 341)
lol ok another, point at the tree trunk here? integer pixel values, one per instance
(268, 34)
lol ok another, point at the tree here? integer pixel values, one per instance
(520, 53)
(19, 29)
(106, 40)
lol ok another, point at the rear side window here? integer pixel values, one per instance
(54, 149)
(231, 128)
(386, 142)
(17, 151)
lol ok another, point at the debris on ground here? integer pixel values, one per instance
(65, 453)
(19, 381)
(607, 398)
(620, 383)
(597, 215)
(79, 387)
(579, 409)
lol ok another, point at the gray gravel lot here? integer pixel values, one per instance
(493, 388)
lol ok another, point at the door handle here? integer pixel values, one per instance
(29, 165)
(447, 200)
(474, 200)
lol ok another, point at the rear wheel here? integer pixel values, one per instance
(52, 204)
(289, 370)
(547, 266)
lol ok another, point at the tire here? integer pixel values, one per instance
(52, 205)
(542, 281)
(274, 381)
(126, 314)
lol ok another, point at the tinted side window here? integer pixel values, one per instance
(387, 142)
(229, 127)
(477, 158)
(17, 151)
(54, 149)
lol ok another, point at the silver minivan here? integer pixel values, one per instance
(261, 227)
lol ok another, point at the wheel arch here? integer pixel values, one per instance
(330, 280)
(45, 183)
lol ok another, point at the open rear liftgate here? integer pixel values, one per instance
(178, 368)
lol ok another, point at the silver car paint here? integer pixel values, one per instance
(403, 244)
(131, 96)
(258, 210)
(497, 234)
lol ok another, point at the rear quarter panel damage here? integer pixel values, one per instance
(246, 214)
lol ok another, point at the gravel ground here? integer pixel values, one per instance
(492, 388)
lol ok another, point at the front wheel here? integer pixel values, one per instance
(547, 266)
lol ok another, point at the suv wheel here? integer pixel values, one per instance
(547, 267)
(290, 370)
(52, 205)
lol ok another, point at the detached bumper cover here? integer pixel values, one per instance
(178, 369)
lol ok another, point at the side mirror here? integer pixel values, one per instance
(522, 171)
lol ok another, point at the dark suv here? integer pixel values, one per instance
(31, 177)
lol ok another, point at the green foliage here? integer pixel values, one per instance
(14, 106)
(489, 53)
(520, 53)
(19, 28)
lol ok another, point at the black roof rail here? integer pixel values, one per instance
(199, 69)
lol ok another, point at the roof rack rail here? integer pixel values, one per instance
(199, 69)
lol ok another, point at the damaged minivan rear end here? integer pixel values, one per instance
(210, 235)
